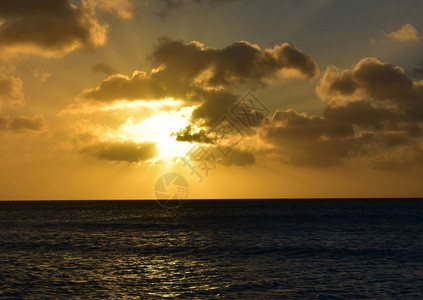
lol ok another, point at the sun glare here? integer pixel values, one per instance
(159, 129)
(156, 105)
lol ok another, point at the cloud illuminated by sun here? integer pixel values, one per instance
(152, 105)
(159, 129)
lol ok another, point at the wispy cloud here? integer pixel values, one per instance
(406, 33)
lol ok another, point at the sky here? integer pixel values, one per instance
(242, 98)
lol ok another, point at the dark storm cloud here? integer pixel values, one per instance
(48, 27)
(34, 123)
(103, 68)
(122, 151)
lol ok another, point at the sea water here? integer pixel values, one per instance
(299, 249)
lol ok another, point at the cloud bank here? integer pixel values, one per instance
(203, 75)
(374, 111)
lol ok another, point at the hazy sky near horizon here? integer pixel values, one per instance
(98, 99)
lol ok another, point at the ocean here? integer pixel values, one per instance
(229, 249)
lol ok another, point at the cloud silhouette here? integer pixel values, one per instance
(188, 134)
(127, 151)
(23, 124)
(240, 62)
(103, 68)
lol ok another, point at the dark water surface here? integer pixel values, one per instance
(300, 249)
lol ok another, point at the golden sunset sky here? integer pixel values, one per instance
(280, 99)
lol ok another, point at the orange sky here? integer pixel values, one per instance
(276, 99)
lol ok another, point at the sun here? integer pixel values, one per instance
(159, 129)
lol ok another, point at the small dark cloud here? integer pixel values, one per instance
(370, 78)
(34, 123)
(188, 134)
(4, 121)
(122, 151)
(22, 123)
(103, 68)
(418, 71)
(240, 158)
(383, 81)
(10, 90)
